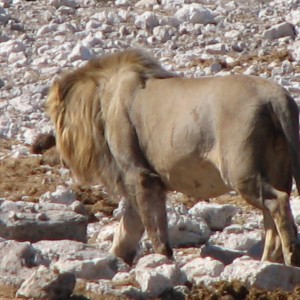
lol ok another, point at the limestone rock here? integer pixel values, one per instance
(47, 284)
(195, 13)
(33, 222)
(155, 274)
(217, 216)
(263, 275)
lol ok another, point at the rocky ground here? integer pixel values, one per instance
(217, 242)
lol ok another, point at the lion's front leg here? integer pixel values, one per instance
(128, 234)
(150, 196)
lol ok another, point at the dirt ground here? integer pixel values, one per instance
(27, 178)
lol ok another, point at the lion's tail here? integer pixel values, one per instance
(287, 113)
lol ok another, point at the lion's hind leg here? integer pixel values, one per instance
(276, 204)
(280, 210)
(272, 248)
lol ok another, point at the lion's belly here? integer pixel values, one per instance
(195, 177)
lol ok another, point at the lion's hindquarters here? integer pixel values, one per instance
(260, 169)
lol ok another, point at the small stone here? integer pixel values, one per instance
(217, 216)
(163, 33)
(68, 3)
(147, 20)
(252, 70)
(215, 67)
(2, 83)
(199, 267)
(279, 31)
(80, 52)
(277, 71)
(47, 29)
(158, 276)
(216, 49)
(122, 3)
(62, 195)
(195, 13)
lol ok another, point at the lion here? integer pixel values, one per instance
(124, 121)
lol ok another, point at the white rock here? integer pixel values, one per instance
(93, 24)
(152, 261)
(199, 267)
(62, 195)
(295, 49)
(101, 287)
(15, 257)
(172, 3)
(266, 12)
(280, 30)
(294, 17)
(68, 3)
(129, 291)
(12, 46)
(295, 206)
(157, 275)
(147, 20)
(47, 29)
(122, 2)
(118, 212)
(186, 230)
(17, 262)
(105, 235)
(217, 216)
(277, 71)
(34, 222)
(287, 67)
(171, 21)
(45, 283)
(145, 3)
(216, 49)
(104, 267)
(195, 13)
(80, 52)
(121, 276)
(123, 15)
(100, 16)
(22, 104)
(263, 275)
(240, 242)
(18, 57)
(232, 34)
(252, 70)
(163, 33)
(65, 10)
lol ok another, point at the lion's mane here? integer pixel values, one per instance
(77, 105)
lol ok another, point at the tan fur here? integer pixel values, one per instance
(124, 121)
(85, 94)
